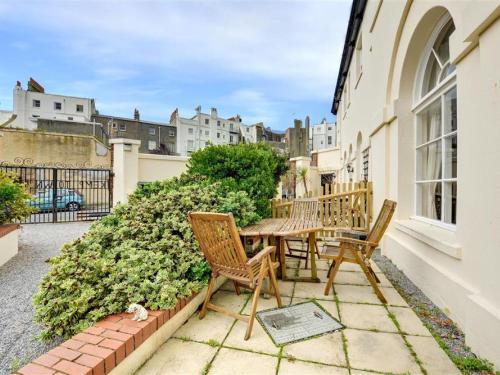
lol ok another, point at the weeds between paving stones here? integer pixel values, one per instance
(446, 333)
(213, 343)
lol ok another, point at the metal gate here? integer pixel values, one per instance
(65, 194)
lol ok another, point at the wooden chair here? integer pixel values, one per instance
(360, 251)
(221, 245)
(305, 208)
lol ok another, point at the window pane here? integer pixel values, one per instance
(429, 123)
(429, 200)
(431, 74)
(429, 162)
(450, 111)
(450, 202)
(450, 157)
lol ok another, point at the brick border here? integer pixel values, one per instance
(5, 229)
(99, 349)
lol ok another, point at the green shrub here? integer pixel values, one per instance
(144, 252)
(13, 199)
(254, 168)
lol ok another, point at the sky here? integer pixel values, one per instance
(269, 61)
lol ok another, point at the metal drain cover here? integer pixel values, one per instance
(298, 322)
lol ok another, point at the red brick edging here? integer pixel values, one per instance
(98, 349)
(7, 228)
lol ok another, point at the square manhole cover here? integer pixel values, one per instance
(298, 322)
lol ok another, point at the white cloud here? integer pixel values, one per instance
(294, 45)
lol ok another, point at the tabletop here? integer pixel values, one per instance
(281, 227)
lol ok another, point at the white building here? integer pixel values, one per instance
(31, 104)
(196, 132)
(323, 135)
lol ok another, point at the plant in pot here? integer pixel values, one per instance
(13, 207)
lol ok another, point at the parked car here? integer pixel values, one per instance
(66, 199)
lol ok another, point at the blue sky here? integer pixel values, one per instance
(269, 61)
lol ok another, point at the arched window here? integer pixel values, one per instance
(435, 110)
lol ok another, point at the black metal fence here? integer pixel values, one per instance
(65, 194)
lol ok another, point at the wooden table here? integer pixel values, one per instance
(281, 228)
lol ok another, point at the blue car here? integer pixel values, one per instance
(66, 199)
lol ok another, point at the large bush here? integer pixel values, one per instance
(254, 168)
(144, 252)
(13, 199)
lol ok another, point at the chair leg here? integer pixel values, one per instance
(274, 282)
(369, 276)
(334, 271)
(211, 285)
(236, 288)
(373, 274)
(255, 301)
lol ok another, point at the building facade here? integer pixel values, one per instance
(323, 135)
(155, 137)
(33, 103)
(209, 128)
(417, 103)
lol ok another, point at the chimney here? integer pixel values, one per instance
(213, 112)
(137, 115)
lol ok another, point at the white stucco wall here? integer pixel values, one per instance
(160, 167)
(27, 113)
(455, 266)
(8, 246)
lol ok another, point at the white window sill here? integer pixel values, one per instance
(439, 238)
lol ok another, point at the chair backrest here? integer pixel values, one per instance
(382, 222)
(220, 242)
(305, 208)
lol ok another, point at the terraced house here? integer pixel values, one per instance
(417, 100)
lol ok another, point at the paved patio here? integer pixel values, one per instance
(377, 338)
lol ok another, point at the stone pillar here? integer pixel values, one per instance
(125, 167)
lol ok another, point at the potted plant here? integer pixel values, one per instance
(13, 207)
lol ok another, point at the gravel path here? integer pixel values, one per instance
(19, 279)
(442, 327)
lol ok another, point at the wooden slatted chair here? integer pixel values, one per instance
(360, 251)
(221, 245)
(305, 208)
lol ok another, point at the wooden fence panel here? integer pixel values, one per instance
(341, 206)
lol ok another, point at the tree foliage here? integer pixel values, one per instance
(145, 252)
(13, 199)
(253, 168)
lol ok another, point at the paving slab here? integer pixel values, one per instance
(434, 359)
(409, 321)
(312, 290)
(286, 287)
(230, 361)
(303, 368)
(369, 317)
(176, 357)
(356, 294)
(266, 303)
(393, 297)
(322, 274)
(230, 300)
(325, 349)
(258, 342)
(353, 278)
(378, 351)
(214, 326)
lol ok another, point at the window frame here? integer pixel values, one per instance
(422, 103)
(38, 101)
(152, 130)
(55, 106)
(79, 106)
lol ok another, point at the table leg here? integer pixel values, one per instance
(280, 244)
(266, 284)
(312, 253)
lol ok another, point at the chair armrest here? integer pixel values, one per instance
(351, 232)
(355, 241)
(257, 258)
